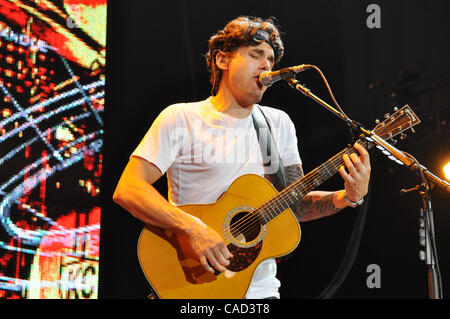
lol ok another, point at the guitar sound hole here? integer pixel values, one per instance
(245, 227)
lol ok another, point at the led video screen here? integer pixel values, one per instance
(52, 98)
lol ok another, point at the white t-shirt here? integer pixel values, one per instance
(203, 151)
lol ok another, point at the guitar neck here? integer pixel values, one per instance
(297, 190)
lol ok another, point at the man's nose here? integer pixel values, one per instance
(266, 65)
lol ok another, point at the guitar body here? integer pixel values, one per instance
(171, 269)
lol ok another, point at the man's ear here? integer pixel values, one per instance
(222, 60)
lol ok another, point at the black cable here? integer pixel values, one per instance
(350, 253)
(355, 239)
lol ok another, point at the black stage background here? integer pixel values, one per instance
(155, 58)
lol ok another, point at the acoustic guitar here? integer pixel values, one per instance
(254, 220)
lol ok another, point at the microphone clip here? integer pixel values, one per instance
(421, 188)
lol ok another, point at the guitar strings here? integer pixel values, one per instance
(251, 221)
(312, 176)
(264, 210)
(308, 182)
(276, 202)
(275, 206)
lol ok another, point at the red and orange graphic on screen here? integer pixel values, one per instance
(52, 82)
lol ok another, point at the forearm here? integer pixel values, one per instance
(144, 202)
(318, 204)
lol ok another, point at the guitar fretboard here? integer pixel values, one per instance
(297, 190)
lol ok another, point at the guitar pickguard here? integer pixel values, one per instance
(243, 256)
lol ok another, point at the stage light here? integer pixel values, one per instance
(447, 170)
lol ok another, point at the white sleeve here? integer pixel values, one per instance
(162, 142)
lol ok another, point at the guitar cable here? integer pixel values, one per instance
(351, 251)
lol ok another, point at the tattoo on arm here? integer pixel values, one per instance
(307, 208)
(293, 173)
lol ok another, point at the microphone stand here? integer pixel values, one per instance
(426, 233)
(434, 275)
(430, 256)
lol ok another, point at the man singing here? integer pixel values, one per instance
(237, 55)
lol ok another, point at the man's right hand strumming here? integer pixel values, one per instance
(205, 244)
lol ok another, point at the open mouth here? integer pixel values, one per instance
(258, 84)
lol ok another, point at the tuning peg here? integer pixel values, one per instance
(387, 115)
(393, 141)
(403, 136)
(395, 109)
(377, 121)
(413, 130)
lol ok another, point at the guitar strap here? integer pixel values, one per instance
(273, 166)
(271, 158)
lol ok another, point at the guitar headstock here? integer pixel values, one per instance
(397, 123)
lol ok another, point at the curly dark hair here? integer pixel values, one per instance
(242, 31)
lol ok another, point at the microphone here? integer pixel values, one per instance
(268, 78)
